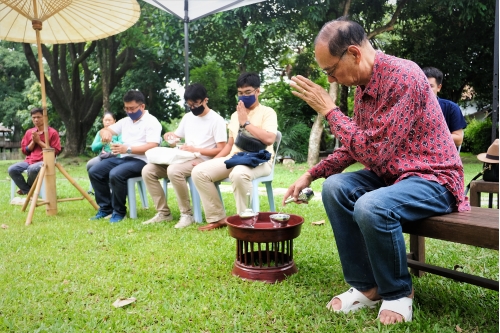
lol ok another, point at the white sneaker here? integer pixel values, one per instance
(159, 217)
(185, 221)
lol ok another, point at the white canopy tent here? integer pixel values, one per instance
(190, 10)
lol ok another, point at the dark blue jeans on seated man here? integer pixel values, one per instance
(366, 217)
(112, 174)
(16, 173)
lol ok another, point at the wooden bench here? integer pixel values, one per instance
(480, 186)
(479, 227)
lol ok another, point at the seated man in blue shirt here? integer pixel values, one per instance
(451, 111)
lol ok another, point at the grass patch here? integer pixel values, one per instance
(63, 273)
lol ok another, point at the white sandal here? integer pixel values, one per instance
(349, 298)
(402, 306)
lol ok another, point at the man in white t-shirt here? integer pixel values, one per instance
(140, 131)
(205, 133)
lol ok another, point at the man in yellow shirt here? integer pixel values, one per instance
(250, 117)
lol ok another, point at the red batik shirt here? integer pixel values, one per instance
(397, 131)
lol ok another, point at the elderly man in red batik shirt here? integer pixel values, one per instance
(412, 168)
(31, 145)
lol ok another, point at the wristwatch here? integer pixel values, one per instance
(245, 124)
(129, 150)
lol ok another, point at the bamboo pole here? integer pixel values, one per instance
(37, 25)
(37, 191)
(78, 187)
(32, 189)
(50, 181)
(70, 199)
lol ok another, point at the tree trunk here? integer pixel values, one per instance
(317, 131)
(344, 94)
(104, 47)
(70, 89)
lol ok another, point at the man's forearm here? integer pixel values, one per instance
(141, 150)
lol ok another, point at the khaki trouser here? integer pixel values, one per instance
(177, 174)
(205, 174)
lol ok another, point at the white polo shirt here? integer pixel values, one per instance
(147, 129)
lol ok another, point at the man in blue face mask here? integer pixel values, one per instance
(257, 121)
(204, 132)
(139, 131)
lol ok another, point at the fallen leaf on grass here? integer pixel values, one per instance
(458, 329)
(5, 226)
(130, 231)
(318, 222)
(121, 302)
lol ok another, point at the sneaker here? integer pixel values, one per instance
(185, 221)
(100, 215)
(116, 218)
(159, 217)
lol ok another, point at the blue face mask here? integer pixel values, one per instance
(247, 100)
(136, 115)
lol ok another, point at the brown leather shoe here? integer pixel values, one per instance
(215, 225)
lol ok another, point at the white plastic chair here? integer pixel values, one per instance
(195, 196)
(143, 194)
(266, 180)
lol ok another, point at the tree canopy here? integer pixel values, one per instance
(274, 38)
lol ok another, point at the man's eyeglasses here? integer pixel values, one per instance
(332, 70)
(193, 106)
(131, 108)
(246, 92)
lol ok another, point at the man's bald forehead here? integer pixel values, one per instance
(330, 31)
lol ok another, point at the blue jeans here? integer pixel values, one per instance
(366, 217)
(16, 174)
(112, 174)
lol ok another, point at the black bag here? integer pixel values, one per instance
(490, 172)
(247, 142)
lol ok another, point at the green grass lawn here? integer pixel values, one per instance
(63, 273)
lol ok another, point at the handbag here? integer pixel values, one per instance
(104, 155)
(490, 172)
(247, 142)
(165, 155)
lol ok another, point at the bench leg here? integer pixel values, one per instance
(417, 252)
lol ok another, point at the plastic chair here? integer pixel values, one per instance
(195, 198)
(13, 187)
(143, 194)
(266, 180)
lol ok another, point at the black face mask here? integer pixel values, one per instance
(198, 110)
